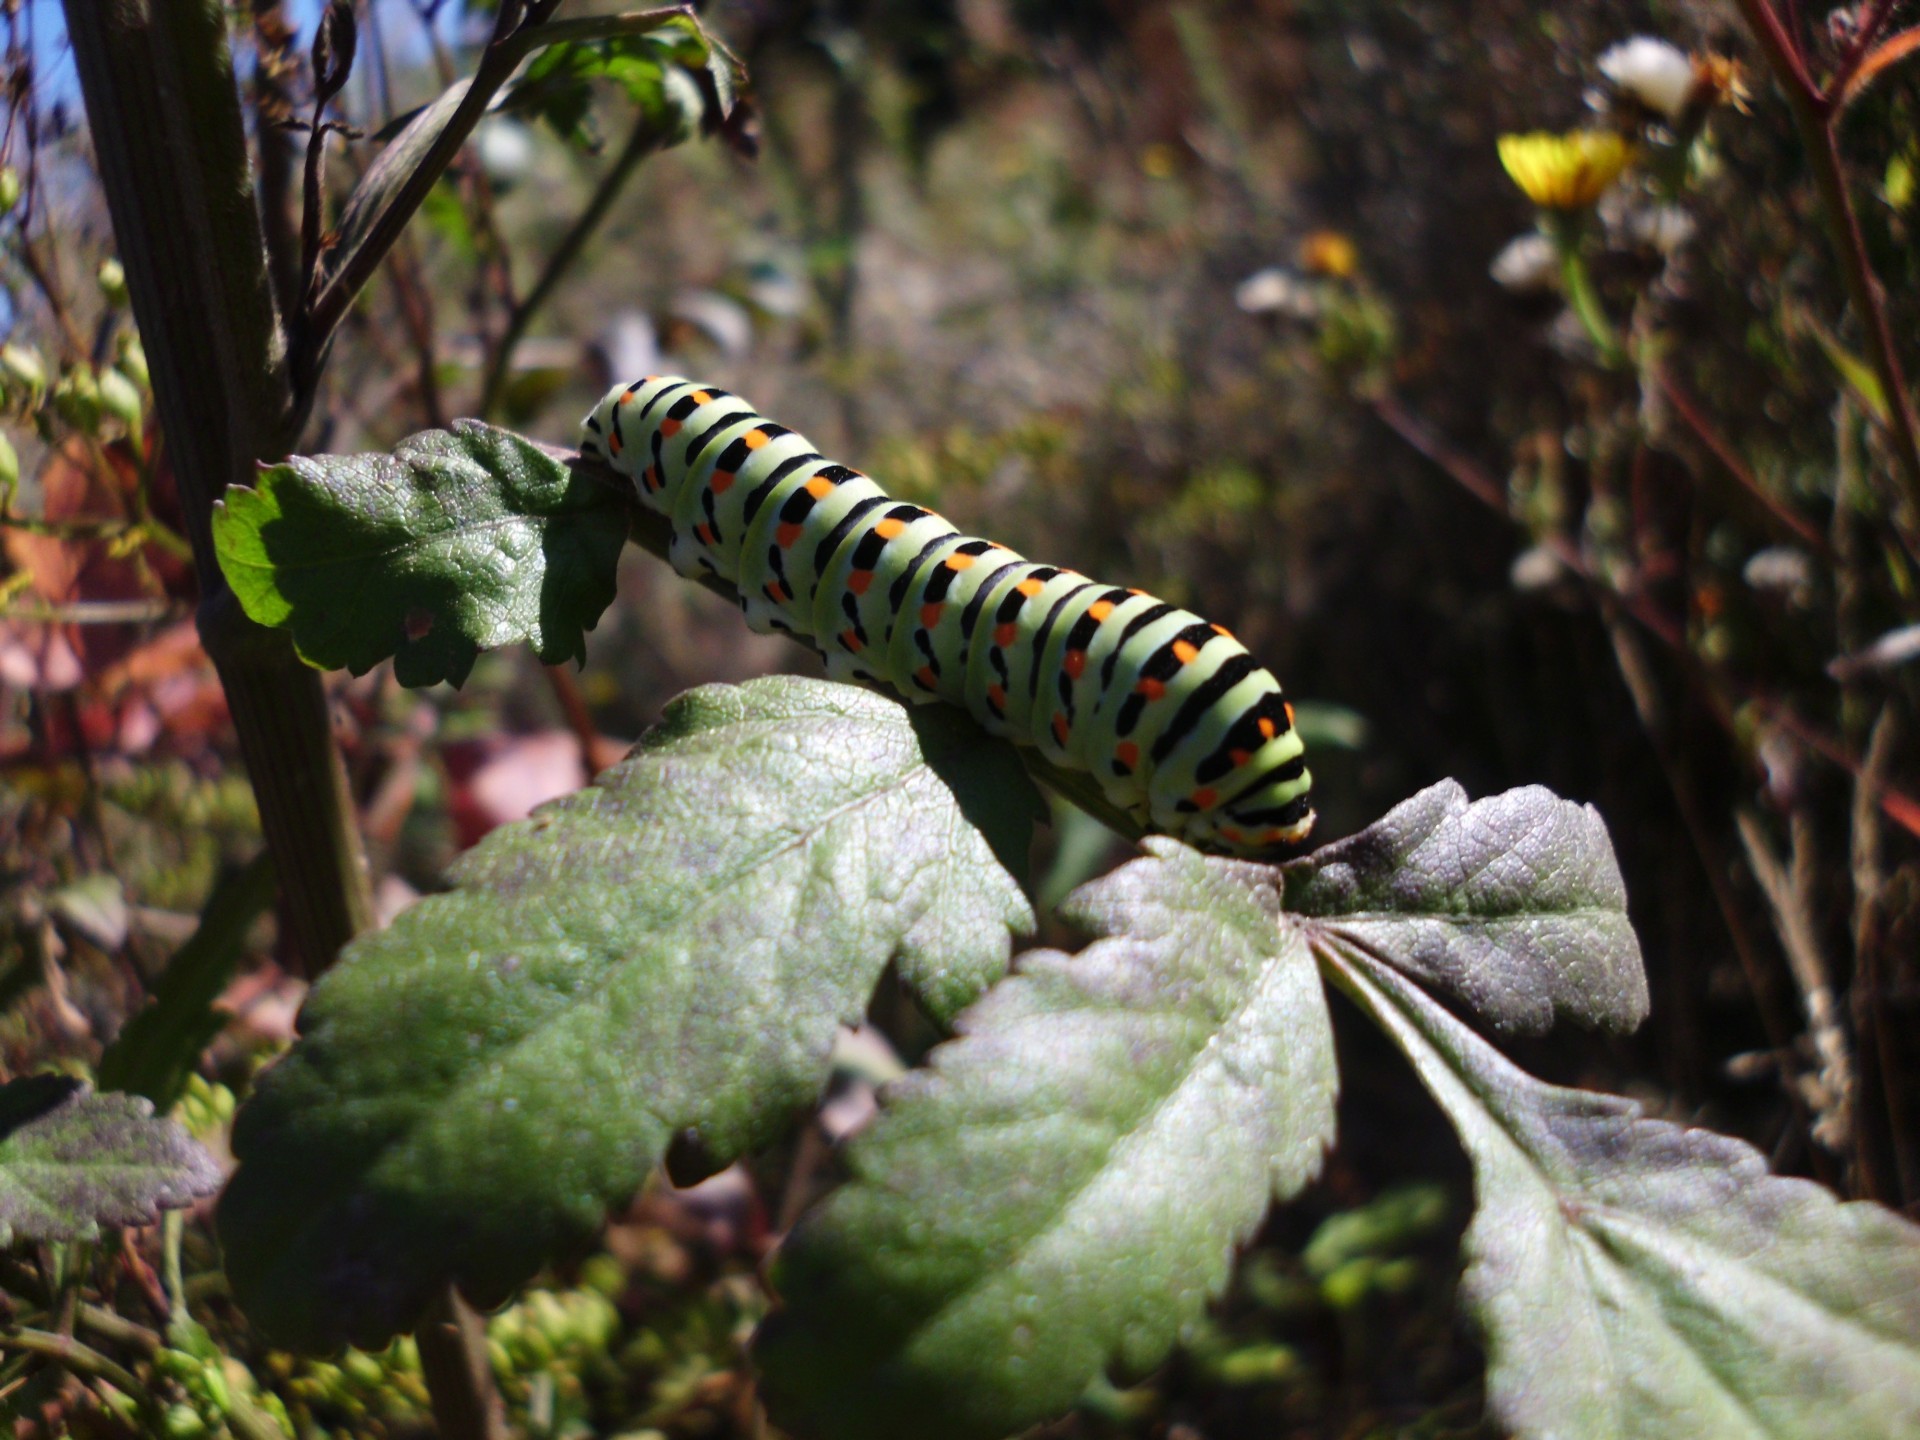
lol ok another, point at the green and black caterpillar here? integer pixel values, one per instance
(1182, 729)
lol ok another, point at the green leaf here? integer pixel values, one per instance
(1512, 904)
(1855, 373)
(661, 73)
(669, 951)
(155, 1051)
(391, 172)
(1637, 1278)
(72, 1161)
(459, 541)
(1064, 1187)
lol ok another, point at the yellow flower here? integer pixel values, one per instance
(1330, 253)
(1565, 172)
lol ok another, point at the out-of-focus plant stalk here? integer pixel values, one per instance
(1578, 280)
(165, 118)
(1816, 115)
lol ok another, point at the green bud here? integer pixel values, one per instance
(120, 399)
(9, 468)
(175, 1364)
(133, 362)
(213, 1384)
(113, 281)
(76, 399)
(9, 189)
(22, 365)
(183, 1422)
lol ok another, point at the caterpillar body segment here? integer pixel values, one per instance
(1171, 716)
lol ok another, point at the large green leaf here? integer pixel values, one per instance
(1064, 1187)
(458, 541)
(1639, 1279)
(669, 951)
(72, 1161)
(1513, 904)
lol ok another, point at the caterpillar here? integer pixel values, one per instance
(1180, 726)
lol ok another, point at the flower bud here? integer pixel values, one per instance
(22, 366)
(120, 398)
(113, 281)
(76, 399)
(133, 363)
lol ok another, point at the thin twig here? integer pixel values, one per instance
(1791, 524)
(1817, 119)
(41, 269)
(1894, 802)
(503, 55)
(416, 313)
(1713, 862)
(1857, 51)
(74, 1355)
(566, 690)
(96, 612)
(1882, 1050)
(1900, 807)
(641, 142)
(1788, 887)
(1782, 49)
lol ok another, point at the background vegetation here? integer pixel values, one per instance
(1195, 296)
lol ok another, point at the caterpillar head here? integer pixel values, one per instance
(608, 433)
(1259, 825)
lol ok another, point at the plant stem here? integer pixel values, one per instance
(1820, 134)
(1581, 295)
(81, 1359)
(1817, 116)
(453, 1357)
(166, 126)
(497, 63)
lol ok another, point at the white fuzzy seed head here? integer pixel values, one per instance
(1527, 263)
(1657, 74)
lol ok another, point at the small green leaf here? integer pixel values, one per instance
(1639, 1279)
(1063, 1188)
(459, 541)
(1513, 904)
(155, 1051)
(668, 951)
(72, 1161)
(657, 71)
(1857, 374)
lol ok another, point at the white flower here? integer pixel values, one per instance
(1528, 262)
(1663, 228)
(1657, 74)
(1535, 569)
(1277, 292)
(1781, 570)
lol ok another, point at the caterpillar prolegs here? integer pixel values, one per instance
(1182, 729)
